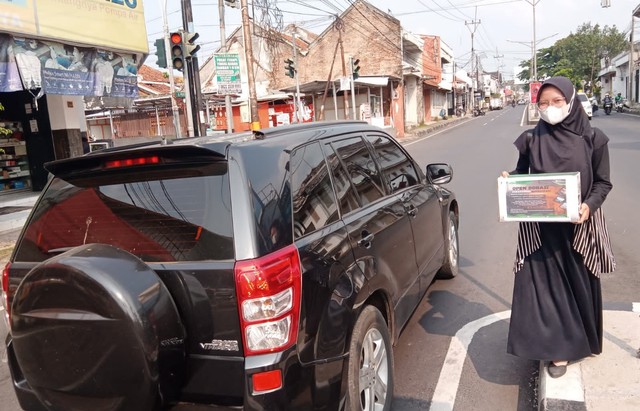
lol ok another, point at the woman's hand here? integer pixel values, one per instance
(504, 174)
(584, 213)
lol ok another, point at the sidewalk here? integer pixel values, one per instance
(609, 381)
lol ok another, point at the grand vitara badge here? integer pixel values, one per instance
(220, 345)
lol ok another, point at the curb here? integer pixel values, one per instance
(568, 392)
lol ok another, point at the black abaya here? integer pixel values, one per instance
(557, 303)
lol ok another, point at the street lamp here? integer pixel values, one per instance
(535, 60)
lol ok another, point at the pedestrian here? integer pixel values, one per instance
(556, 313)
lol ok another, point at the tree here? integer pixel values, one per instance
(578, 55)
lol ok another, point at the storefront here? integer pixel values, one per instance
(52, 55)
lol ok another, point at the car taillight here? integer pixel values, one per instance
(135, 161)
(5, 293)
(269, 293)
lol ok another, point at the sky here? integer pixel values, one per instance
(503, 36)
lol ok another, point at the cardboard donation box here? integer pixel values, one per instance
(540, 197)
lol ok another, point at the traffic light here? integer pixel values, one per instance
(161, 53)
(232, 3)
(290, 68)
(355, 68)
(188, 46)
(177, 52)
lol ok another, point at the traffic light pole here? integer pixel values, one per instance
(192, 75)
(167, 47)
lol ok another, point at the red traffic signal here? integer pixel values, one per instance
(177, 50)
(176, 38)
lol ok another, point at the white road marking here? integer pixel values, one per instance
(569, 388)
(444, 396)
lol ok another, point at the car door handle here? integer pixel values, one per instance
(366, 240)
(411, 210)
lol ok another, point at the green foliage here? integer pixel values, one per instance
(578, 55)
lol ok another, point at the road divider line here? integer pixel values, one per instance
(446, 390)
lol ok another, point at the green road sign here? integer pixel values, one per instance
(180, 94)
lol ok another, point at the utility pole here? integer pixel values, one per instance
(345, 98)
(497, 57)
(248, 56)
(296, 105)
(475, 24)
(167, 47)
(223, 47)
(192, 72)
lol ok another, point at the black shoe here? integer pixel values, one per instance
(556, 371)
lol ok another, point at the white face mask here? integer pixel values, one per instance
(554, 115)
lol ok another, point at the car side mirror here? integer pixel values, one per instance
(439, 173)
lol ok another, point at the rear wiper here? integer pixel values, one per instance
(59, 250)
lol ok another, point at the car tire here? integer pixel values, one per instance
(451, 259)
(370, 368)
(96, 326)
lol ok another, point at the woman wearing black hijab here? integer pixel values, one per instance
(556, 313)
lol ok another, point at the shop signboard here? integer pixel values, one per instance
(57, 68)
(228, 73)
(113, 24)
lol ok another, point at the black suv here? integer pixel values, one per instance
(260, 271)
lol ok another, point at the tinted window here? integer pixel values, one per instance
(345, 193)
(184, 217)
(397, 168)
(314, 203)
(583, 97)
(361, 168)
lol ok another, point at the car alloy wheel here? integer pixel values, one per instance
(370, 363)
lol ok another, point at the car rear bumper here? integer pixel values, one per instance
(304, 386)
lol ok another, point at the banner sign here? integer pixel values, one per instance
(228, 73)
(64, 69)
(116, 24)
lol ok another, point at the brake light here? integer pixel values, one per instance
(128, 162)
(269, 291)
(5, 293)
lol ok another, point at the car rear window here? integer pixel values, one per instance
(185, 215)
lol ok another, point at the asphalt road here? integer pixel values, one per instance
(432, 372)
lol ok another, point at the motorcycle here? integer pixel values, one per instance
(620, 107)
(460, 112)
(513, 103)
(607, 107)
(477, 112)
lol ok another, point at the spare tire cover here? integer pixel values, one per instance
(95, 328)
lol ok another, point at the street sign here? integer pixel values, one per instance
(228, 73)
(180, 94)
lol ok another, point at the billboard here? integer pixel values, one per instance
(58, 68)
(113, 24)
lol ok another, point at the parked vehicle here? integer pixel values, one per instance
(521, 102)
(95, 145)
(477, 111)
(495, 104)
(586, 104)
(257, 271)
(460, 111)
